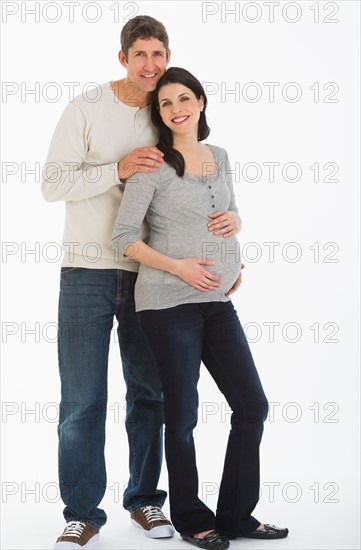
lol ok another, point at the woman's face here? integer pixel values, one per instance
(179, 108)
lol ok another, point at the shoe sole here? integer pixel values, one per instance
(160, 532)
(261, 536)
(74, 546)
(265, 537)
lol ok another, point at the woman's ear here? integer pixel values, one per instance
(201, 102)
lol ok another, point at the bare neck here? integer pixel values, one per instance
(128, 93)
(187, 144)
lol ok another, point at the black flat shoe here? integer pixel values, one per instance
(269, 532)
(212, 540)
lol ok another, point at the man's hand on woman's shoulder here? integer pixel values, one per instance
(141, 159)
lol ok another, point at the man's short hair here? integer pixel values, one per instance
(145, 27)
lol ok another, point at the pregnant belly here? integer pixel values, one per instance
(225, 253)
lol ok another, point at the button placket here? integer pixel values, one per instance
(212, 196)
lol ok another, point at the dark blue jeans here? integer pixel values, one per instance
(180, 338)
(89, 300)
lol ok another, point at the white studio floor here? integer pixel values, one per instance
(36, 526)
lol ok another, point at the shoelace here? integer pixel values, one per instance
(152, 513)
(74, 529)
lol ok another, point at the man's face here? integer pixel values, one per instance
(147, 62)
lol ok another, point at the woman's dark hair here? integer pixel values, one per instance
(177, 75)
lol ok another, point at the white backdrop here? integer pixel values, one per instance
(283, 87)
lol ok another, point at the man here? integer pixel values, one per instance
(101, 139)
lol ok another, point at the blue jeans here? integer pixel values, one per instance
(180, 338)
(89, 300)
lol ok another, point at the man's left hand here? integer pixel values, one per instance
(225, 222)
(237, 284)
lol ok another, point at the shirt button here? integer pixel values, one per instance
(209, 187)
(212, 196)
(213, 205)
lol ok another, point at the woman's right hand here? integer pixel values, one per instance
(192, 272)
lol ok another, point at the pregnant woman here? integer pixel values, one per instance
(182, 296)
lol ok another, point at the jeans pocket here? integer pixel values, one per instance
(65, 270)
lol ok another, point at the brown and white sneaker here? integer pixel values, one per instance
(77, 535)
(153, 522)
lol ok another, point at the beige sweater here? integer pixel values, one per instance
(93, 134)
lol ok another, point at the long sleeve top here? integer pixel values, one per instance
(177, 211)
(95, 131)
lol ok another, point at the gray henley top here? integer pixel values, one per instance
(177, 210)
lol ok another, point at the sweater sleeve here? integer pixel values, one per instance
(138, 194)
(66, 175)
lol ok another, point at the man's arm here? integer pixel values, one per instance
(67, 177)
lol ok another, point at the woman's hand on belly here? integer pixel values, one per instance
(191, 271)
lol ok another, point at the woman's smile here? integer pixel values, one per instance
(180, 119)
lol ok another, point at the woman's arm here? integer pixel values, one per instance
(139, 192)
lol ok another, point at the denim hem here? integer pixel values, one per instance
(89, 522)
(134, 509)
